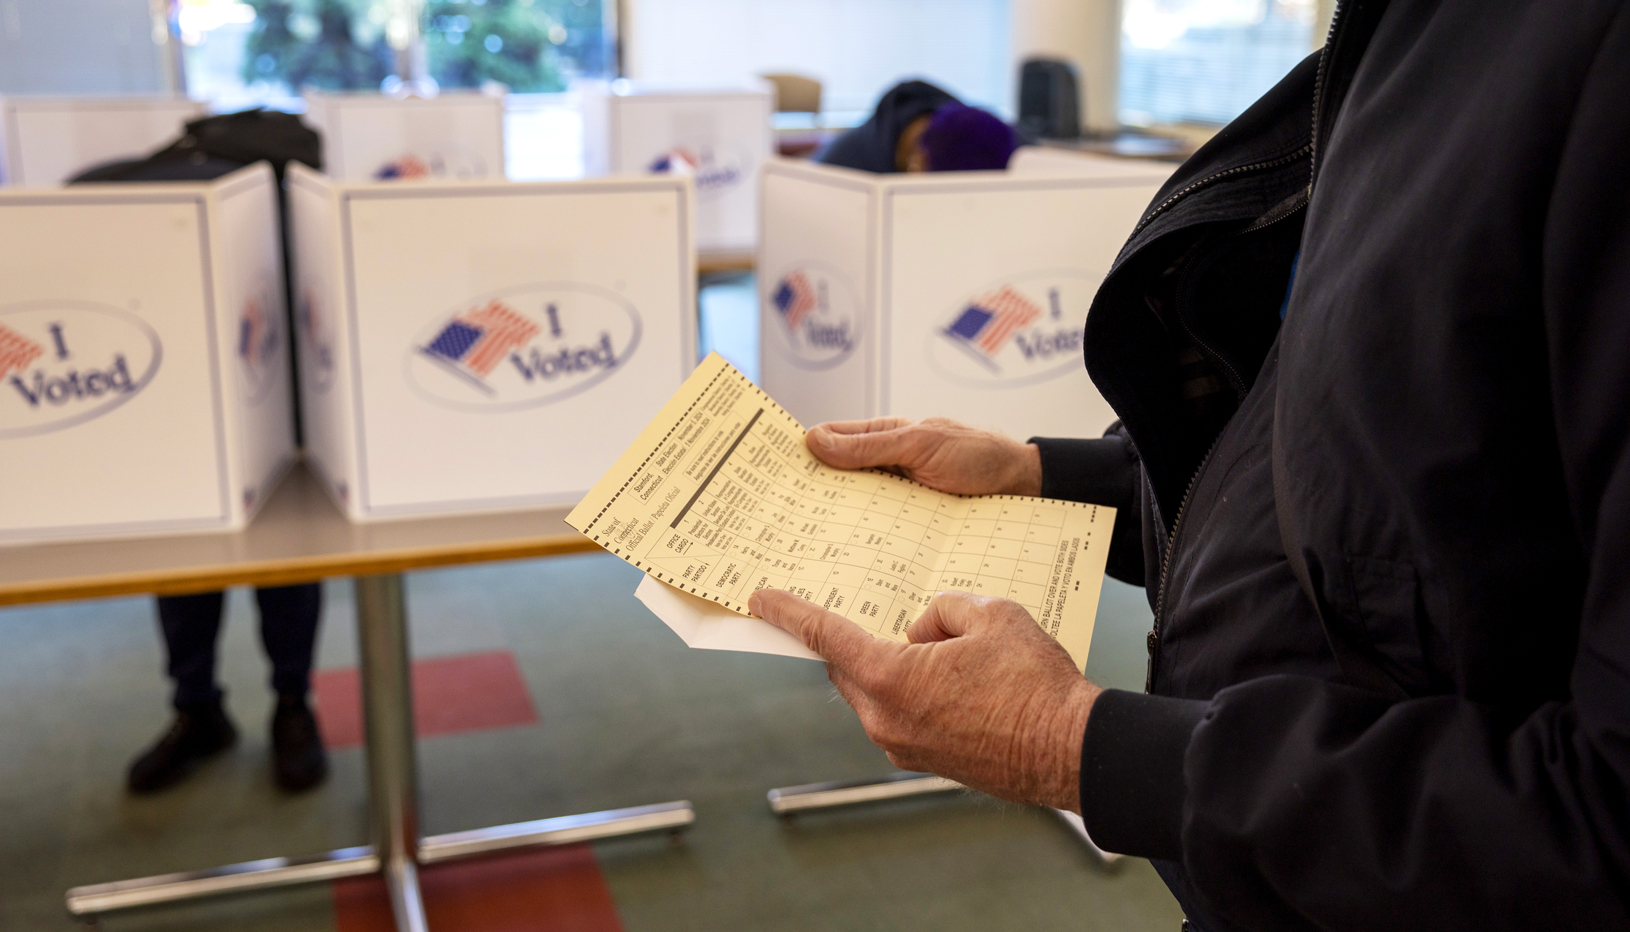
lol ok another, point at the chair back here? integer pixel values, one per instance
(795, 93)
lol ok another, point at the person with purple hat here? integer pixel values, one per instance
(918, 127)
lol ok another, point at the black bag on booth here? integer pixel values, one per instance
(219, 145)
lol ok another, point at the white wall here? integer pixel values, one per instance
(78, 47)
(1086, 33)
(1323, 12)
(857, 48)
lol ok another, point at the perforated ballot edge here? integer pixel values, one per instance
(1067, 612)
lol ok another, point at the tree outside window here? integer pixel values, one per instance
(529, 45)
(335, 45)
(247, 52)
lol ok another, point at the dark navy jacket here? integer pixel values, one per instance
(1452, 379)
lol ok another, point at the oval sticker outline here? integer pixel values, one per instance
(257, 382)
(310, 323)
(1024, 381)
(107, 407)
(621, 303)
(790, 352)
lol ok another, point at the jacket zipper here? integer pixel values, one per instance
(1309, 149)
(1182, 508)
(1166, 564)
(1325, 60)
(1203, 182)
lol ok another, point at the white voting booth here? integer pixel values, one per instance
(144, 371)
(1054, 160)
(720, 137)
(956, 294)
(469, 346)
(367, 137)
(44, 141)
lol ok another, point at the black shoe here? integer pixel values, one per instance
(298, 758)
(198, 732)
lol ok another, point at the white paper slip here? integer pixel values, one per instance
(706, 624)
(720, 497)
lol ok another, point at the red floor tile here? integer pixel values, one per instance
(468, 692)
(559, 889)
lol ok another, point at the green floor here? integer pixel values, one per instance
(628, 716)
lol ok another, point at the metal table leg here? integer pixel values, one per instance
(100, 898)
(393, 774)
(397, 850)
(789, 800)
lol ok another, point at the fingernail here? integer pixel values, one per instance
(753, 604)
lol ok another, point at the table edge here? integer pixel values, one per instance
(288, 571)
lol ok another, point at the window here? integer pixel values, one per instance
(239, 53)
(856, 48)
(78, 47)
(244, 52)
(530, 45)
(1205, 61)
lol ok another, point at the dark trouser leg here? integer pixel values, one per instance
(288, 629)
(191, 624)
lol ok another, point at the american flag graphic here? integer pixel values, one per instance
(677, 161)
(17, 352)
(251, 330)
(795, 299)
(308, 315)
(406, 168)
(988, 322)
(477, 341)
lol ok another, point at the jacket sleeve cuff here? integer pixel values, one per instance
(1132, 788)
(1097, 471)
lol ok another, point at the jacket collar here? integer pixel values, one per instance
(1261, 162)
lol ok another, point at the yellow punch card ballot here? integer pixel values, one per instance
(719, 497)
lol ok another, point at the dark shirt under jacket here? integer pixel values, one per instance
(1453, 382)
(870, 147)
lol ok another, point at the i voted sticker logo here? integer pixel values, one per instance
(415, 166)
(816, 316)
(715, 171)
(1019, 331)
(259, 345)
(524, 347)
(316, 329)
(63, 363)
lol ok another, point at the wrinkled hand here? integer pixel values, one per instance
(981, 695)
(940, 453)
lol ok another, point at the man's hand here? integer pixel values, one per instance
(940, 453)
(981, 694)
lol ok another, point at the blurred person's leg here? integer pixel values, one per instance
(191, 625)
(288, 629)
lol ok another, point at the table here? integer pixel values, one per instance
(1129, 146)
(300, 536)
(720, 262)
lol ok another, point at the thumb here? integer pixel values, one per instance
(888, 444)
(838, 640)
(951, 615)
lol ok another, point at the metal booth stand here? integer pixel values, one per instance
(301, 537)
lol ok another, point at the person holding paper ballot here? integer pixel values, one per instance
(1371, 352)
